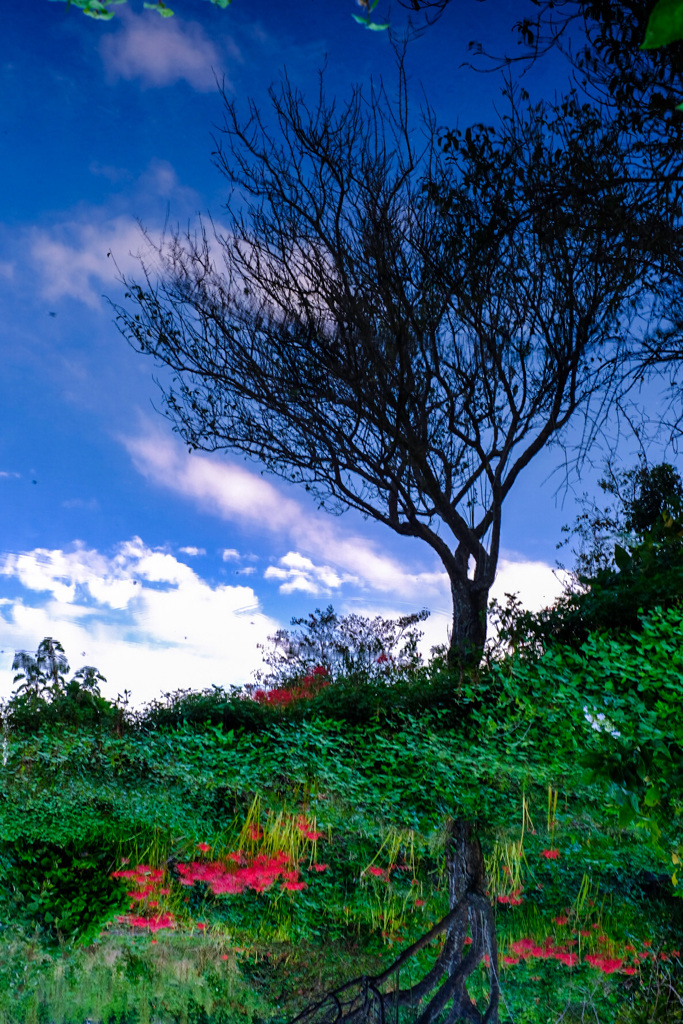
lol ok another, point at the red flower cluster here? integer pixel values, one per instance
(304, 827)
(147, 880)
(527, 948)
(604, 963)
(550, 854)
(259, 874)
(282, 696)
(513, 898)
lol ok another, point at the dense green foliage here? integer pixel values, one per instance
(374, 772)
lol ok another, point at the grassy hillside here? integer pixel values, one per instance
(238, 866)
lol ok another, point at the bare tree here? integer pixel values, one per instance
(402, 321)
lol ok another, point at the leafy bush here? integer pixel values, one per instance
(44, 699)
(66, 892)
(614, 586)
(353, 646)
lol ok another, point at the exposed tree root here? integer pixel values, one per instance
(364, 1000)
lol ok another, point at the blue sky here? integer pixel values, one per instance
(163, 569)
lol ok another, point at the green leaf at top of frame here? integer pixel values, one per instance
(665, 25)
(160, 8)
(369, 24)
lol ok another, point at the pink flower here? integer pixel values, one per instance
(550, 854)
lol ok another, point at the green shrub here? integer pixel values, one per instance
(66, 892)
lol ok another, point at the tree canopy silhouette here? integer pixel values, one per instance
(401, 322)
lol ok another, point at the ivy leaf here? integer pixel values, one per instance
(621, 557)
(652, 796)
(665, 24)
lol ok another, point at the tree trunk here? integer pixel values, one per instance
(468, 632)
(362, 1001)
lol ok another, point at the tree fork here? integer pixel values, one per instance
(362, 1001)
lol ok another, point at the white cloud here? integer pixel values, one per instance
(299, 573)
(146, 620)
(5, 475)
(536, 583)
(234, 493)
(193, 552)
(73, 258)
(161, 52)
(6, 270)
(323, 558)
(229, 491)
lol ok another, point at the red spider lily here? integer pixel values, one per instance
(203, 847)
(568, 959)
(562, 919)
(604, 963)
(382, 658)
(320, 867)
(154, 924)
(377, 872)
(527, 948)
(419, 903)
(629, 970)
(510, 959)
(550, 854)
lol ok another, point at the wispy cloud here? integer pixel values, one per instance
(160, 52)
(91, 505)
(193, 552)
(144, 618)
(74, 259)
(323, 557)
(4, 474)
(229, 491)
